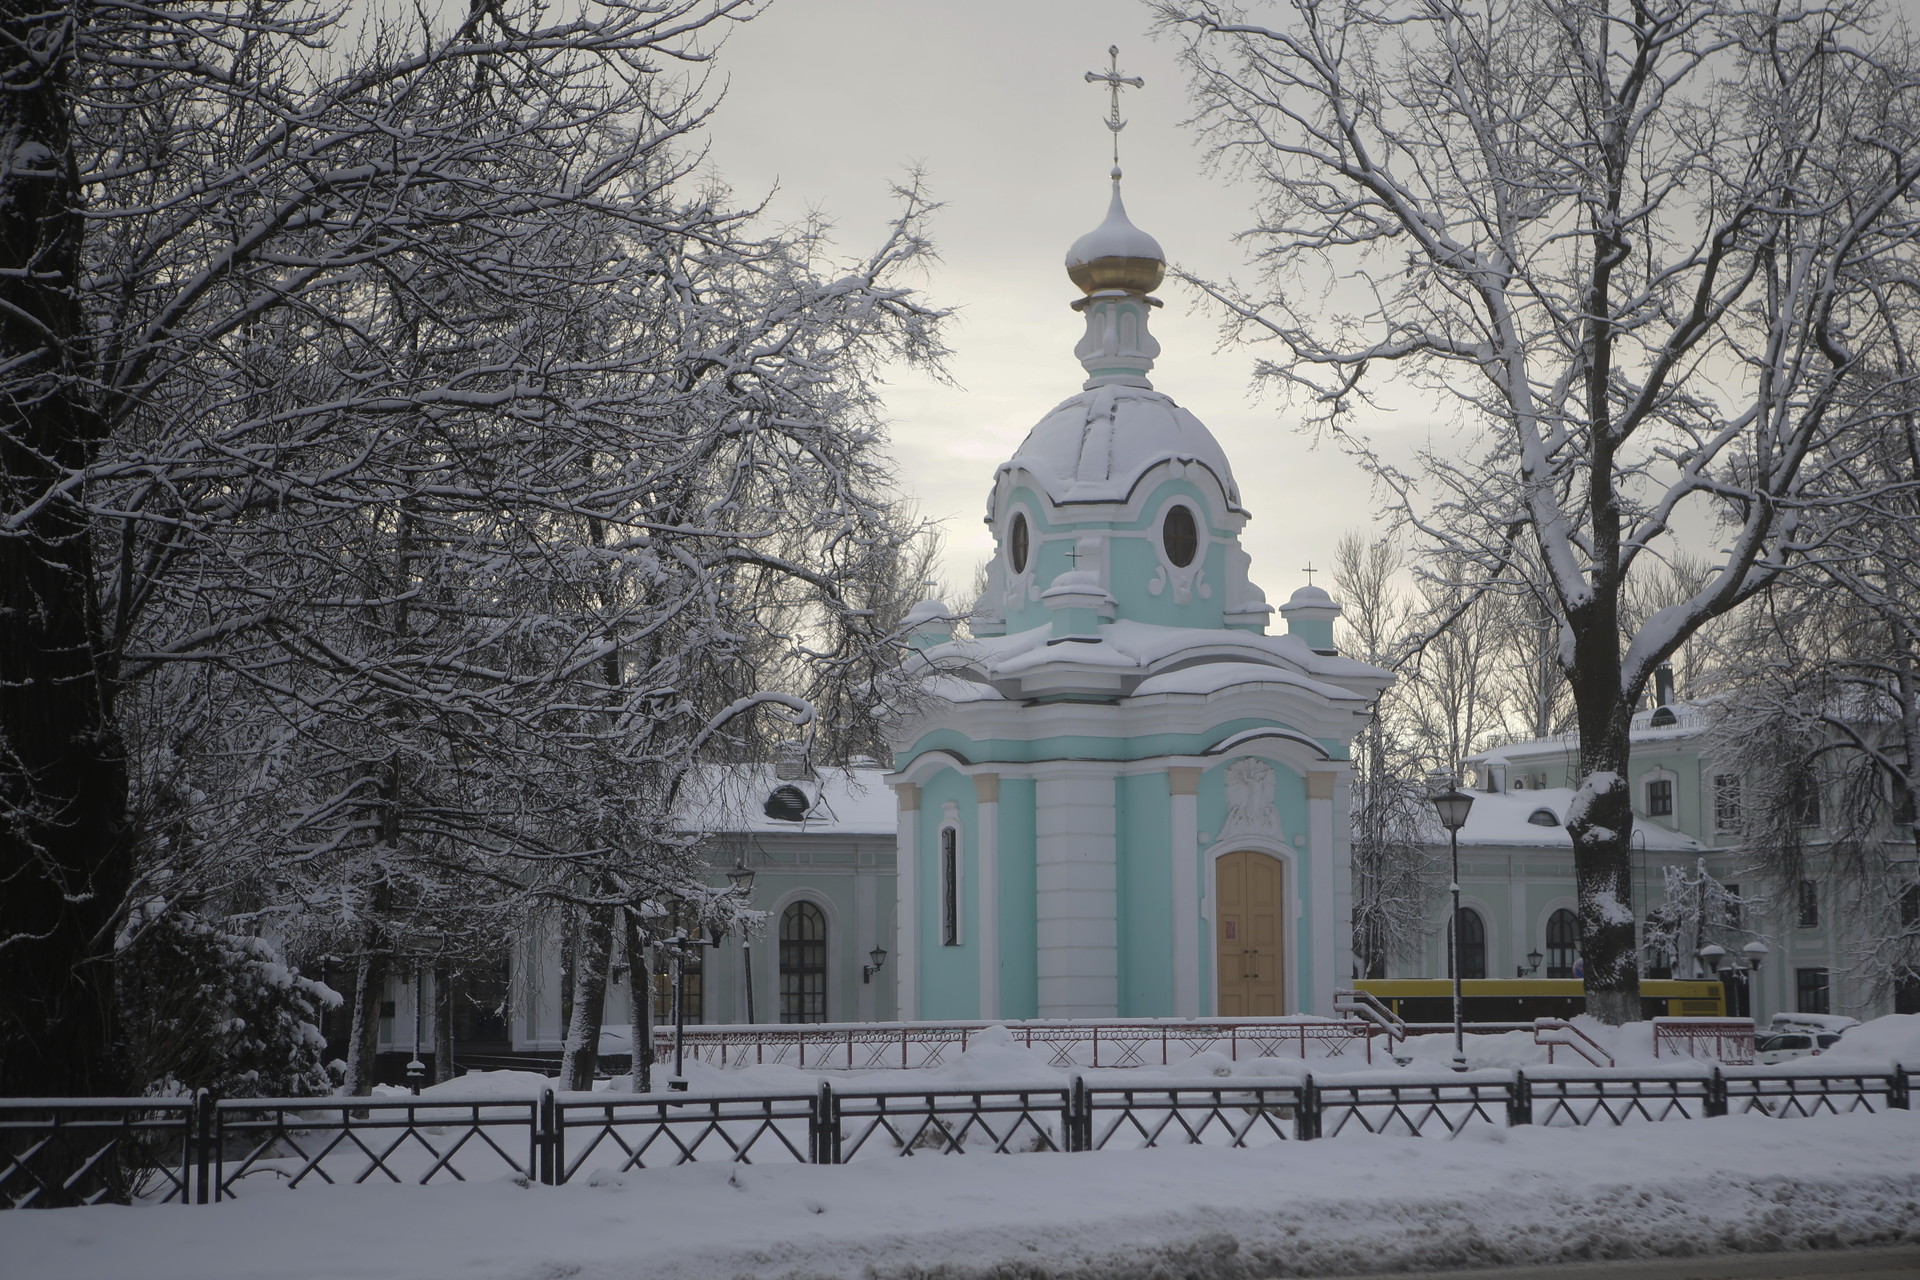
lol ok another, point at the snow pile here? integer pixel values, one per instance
(1491, 1197)
(1876, 1044)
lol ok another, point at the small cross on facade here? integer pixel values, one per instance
(1114, 81)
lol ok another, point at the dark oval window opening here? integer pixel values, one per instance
(1544, 818)
(788, 804)
(1017, 543)
(1178, 535)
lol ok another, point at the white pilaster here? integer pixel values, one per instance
(1317, 997)
(906, 971)
(1343, 971)
(1518, 926)
(1078, 898)
(866, 932)
(986, 934)
(1183, 785)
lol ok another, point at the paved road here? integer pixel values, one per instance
(1902, 1262)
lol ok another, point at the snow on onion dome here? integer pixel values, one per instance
(1116, 254)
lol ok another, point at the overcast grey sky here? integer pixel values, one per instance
(832, 100)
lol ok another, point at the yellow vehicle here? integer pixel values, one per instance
(1524, 999)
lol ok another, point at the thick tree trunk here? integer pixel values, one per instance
(65, 852)
(1601, 825)
(363, 1035)
(592, 953)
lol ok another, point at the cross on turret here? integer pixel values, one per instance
(1114, 81)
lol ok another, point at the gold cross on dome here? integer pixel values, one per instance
(1114, 81)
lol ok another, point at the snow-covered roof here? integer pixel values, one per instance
(1200, 661)
(1501, 818)
(1689, 719)
(1095, 446)
(1117, 237)
(841, 801)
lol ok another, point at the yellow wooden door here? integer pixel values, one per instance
(1247, 933)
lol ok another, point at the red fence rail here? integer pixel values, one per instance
(1069, 1043)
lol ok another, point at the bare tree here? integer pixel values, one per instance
(1394, 867)
(391, 427)
(1638, 246)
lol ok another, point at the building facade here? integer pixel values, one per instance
(1125, 798)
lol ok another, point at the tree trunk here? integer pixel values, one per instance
(442, 1022)
(363, 1035)
(592, 952)
(640, 1015)
(1601, 825)
(65, 852)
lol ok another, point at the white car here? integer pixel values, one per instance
(1799, 1035)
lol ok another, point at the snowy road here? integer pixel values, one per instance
(1899, 1263)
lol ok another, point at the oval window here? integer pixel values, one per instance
(1179, 537)
(1017, 543)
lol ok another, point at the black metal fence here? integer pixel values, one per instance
(199, 1150)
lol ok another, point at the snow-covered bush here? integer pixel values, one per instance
(206, 1008)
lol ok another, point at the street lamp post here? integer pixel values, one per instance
(1453, 805)
(1755, 951)
(680, 942)
(741, 879)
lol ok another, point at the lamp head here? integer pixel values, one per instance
(1452, 805)
(1712, 955)
(741, 876)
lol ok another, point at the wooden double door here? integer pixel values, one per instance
(1250, 890)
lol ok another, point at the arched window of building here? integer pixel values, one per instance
(949, 887)
(1473, 945)
(803, 963)
(1563, 943)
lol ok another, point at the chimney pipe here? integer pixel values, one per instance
(1663, 685)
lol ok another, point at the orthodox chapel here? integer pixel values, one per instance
(1123, 797)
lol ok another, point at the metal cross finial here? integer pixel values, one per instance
(1310, 571)
(1112, 78)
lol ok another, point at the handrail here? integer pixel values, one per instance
(1368, 1007)
(1559, 1033)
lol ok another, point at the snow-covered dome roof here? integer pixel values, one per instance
(1311, 597)
(1096, 446)
(1116, 254)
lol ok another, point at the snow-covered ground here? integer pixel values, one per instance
(1365, 1204)
(1357, 1203)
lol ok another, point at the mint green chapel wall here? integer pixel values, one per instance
(1135, 560)
(1290, 800)
(1019, 901)
(949, 976)
(1145, 833)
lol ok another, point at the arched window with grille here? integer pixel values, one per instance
(1473, 945)
(1563, 943)
(803, 963)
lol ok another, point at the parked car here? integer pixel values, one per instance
(1799, 1035)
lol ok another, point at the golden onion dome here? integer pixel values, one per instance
(1116, 254)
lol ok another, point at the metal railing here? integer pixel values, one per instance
(1728, 1041)
(201, 1150)
(1161, 1042)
